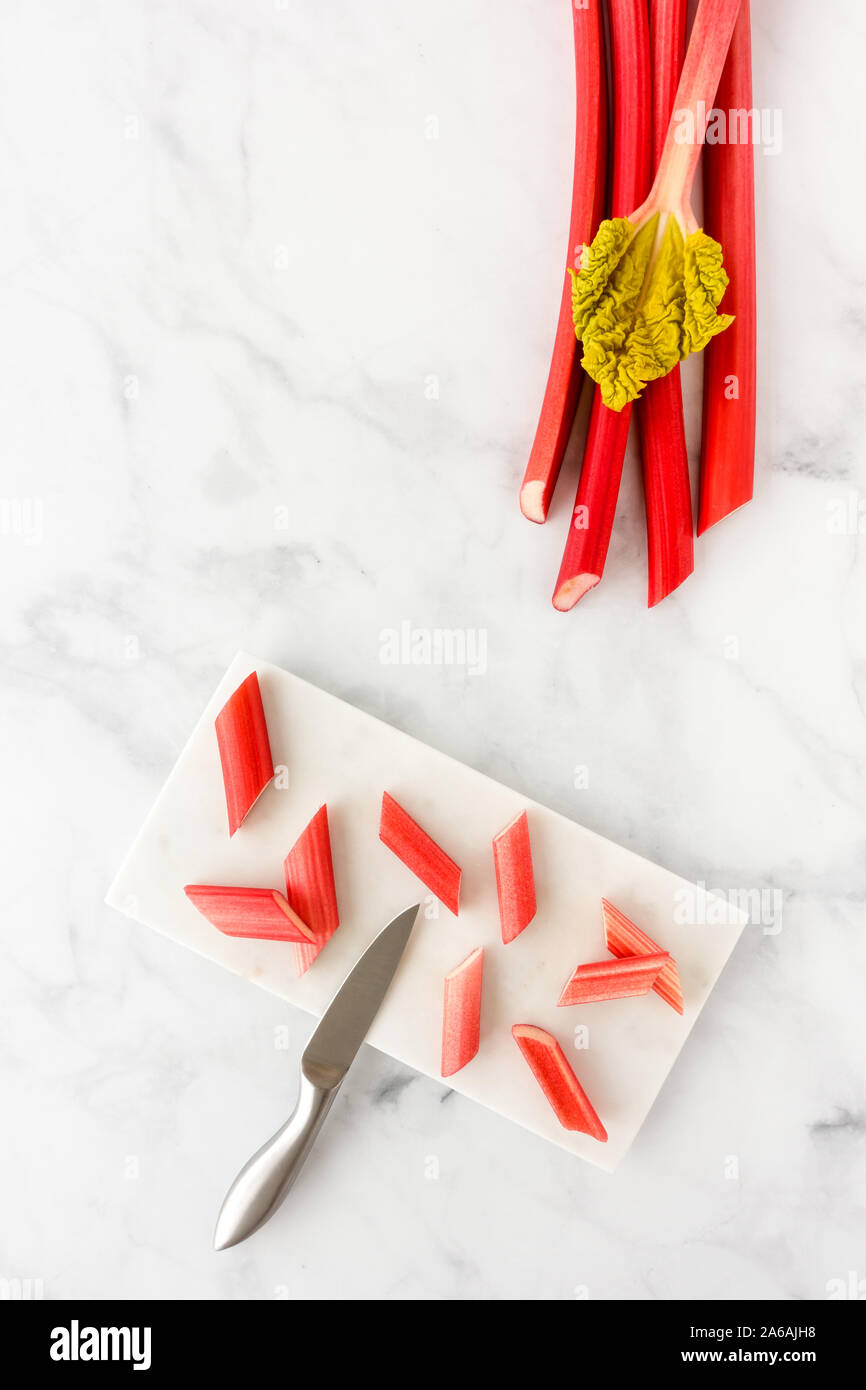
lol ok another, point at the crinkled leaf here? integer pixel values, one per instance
(639, 309)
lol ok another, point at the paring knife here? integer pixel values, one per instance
(263, 1182)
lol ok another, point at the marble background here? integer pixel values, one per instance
(278, 284)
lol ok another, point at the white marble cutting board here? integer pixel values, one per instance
(334, 753)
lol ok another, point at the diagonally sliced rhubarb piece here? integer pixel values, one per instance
(515, 883)
(405, 838)
(613, 979)
(550, 1067)
(587, 209)
(310, 887)
(258, 912)
(623, 938)
(245, 752)
(461, 1015)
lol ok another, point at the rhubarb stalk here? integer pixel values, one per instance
(310, 888)
(461, 1015)
(667, 488)
(405, 838)
(244, 749)
(257, 912)
(550, 1067)
(587, 206)
(515, 883)
(598, 489)
(728, 446)
(650, 285)
(623, 938)
(613, 979)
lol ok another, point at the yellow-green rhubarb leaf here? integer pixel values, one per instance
(706, 281)
(639, 308)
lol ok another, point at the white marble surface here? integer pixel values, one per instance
(237, 277)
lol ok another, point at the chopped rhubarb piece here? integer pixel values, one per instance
(613, 979)
(623, 938)
(405, 838)
(461, 1016)
(310, 887)
(551, 1070)
(245, 753)
(587, 209)
(515, 884)
(258, 912)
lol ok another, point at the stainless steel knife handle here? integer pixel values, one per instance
(263, 1182)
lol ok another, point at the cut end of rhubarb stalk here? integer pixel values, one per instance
(532, 502)
(711, 512)
(573, 590)
(623, 938)
(623, 978)
(248, 912)
(310, 888)
(405, 838)
(301, 932)
(244, 749)
(461, 1016)
(515, 882)
(550, 1067)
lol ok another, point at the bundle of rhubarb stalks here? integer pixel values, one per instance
(646, 286)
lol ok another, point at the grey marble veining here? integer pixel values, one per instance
(277, 291)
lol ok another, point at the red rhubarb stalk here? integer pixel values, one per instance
(405, 838)
(245, 752)
(310, 888)
(515, 882)
(613, 979)
(595, 506)
(551, 1069)
(258, 912)
(702, 70)
(650, 284)
(623, 938)
(667, 488)
(461, 1015)
(728, 446)
(587, 206)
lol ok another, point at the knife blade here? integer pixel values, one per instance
(264, 1181)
